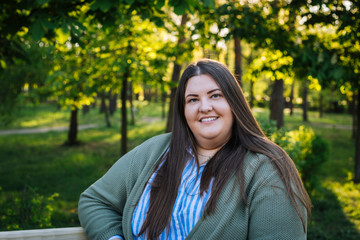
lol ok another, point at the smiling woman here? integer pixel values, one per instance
(216, 176)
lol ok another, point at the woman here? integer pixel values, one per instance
(215, 177)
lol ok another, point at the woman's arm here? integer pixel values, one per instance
(101, 205)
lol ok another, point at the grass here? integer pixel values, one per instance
(42, 162)
(50, 115)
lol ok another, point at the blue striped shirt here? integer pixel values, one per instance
(188, 208)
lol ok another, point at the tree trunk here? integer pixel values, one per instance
(123, 110)
(291, 104)
(112, 103)
(85, 109)
(357, 143)
(277, 103)
(132, 105)
(354, 116)
(321, 112)
(304, 99)
(147, 93)
(163, 104)
(238, 70)
(252, 97)
(93, 105)
(72, 135)
(252, 83)
(106, 113)
(175, 79)
(107, 118)
(102, 103)
(227, 58)
(104, 109)
(156, 95)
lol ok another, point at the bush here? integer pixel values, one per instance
(267, 125)
(25, 211)
(307, 150)
(312, 164)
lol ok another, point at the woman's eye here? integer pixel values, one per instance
(216, 95)
(192, 100)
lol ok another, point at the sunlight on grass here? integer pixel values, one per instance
(113, 138)
(78, 158)
(348, 194)
(46, 120)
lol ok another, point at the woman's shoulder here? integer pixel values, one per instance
(255, 160)
(260, 169)
(150, 149)
(155, 143)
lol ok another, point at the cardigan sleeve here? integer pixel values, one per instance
(101, 205)
(272, 215)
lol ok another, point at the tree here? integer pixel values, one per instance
(40, 19)
(277, 67)
(176, 72)
(344, 46)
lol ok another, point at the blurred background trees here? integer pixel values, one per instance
(285, 54)
(115, 66)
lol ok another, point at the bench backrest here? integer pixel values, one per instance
(73, 233)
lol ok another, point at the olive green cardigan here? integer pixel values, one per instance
(106, 207)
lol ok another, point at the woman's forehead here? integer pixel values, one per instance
(201, 83)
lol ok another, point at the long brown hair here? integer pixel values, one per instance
(246, 136)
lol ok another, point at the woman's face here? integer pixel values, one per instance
(207, 112)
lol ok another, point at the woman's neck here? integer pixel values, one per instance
(204, 155)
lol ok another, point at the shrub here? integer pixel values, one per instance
(307, 150)
(25, 210)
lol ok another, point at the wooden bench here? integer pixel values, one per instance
(72, 233)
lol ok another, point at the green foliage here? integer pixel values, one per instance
(267, 125)
(25, 211)
(310, 168)
(308, 150)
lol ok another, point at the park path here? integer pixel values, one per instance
(334, 126)
(43, 130)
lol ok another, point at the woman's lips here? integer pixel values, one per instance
(208, 119)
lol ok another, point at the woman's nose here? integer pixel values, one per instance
(205, 107)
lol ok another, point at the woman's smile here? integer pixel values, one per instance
(208, 119)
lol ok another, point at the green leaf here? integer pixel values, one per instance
(338, 73)
(209, 3)
(104, 6)
(48, 25)
(41, 2)
(37, 30)
(130, 2)
(160, 4)
(180, 8)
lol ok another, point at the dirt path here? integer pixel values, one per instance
(335, 126)
(43, 130)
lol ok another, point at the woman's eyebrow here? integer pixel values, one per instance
(191, 95)
(214, 90)
(196, 95)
